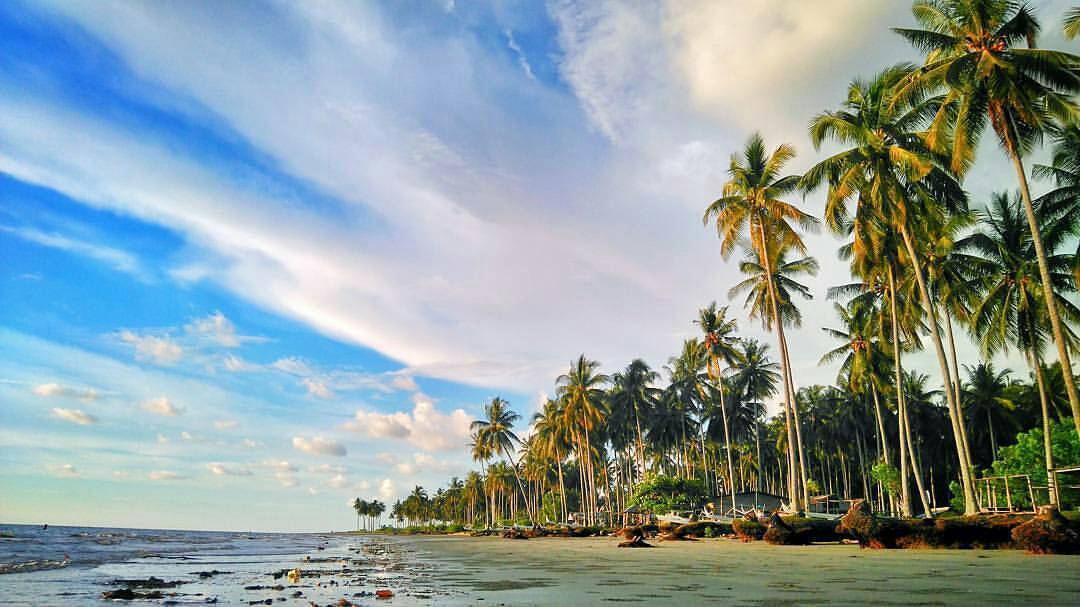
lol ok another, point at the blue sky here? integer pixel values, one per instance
(261, 258)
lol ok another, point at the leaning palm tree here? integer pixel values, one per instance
(896, 186)
(1010, 312)
(752, 209)
(974, 52)
(720, 344)
(583, 401)
(496, 430)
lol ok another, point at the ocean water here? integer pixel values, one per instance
(75, 565)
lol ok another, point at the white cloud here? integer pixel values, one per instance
(121, 474)
(282, 466)
(338, 481)
(164, 475)
(74, 416)
(387, 489)
(219, 469)
(161, 406)
(216, 328)
(285, 479)
(362, 486)
(226, 424)
(55, 389)
(425, 427)
(185, 435)
(250, 444)
(159, 350)
(162, 439)
(318, 389)
(312, 491)
(318, 446)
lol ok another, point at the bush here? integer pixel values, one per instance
(748, 530)
(1027, 457)
(662, 494)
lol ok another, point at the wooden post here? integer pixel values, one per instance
(1008, 494)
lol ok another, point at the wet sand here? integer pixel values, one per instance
(593, 571)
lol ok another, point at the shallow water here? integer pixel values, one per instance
(492, 571)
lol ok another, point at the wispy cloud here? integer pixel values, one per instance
(117, 259)
(165, 475)
(219, 469)
(74, 416)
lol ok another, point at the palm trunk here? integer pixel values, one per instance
(1047, 285)
(795, 419)
(956, 388)
(1051, 477)
(955, 416)
(883, 445)
(727, 443)
(788, 395)
(521, 487)
(901, 399)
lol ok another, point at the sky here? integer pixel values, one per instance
(260, 258)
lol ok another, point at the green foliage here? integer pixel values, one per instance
(1027, 457)
(661, 494)
(813, 487)
(888, 476)
(956, 502)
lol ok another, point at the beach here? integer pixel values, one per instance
(238, 569)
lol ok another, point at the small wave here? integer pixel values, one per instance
(33, 566)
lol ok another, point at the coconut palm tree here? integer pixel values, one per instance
(986, 396)
(755, 379)
(634, 393)
(751, 209)
(552, 440)
(496, 430)
(974, 52)
(1010, 312)
(896, 185)
(782, 282)
(582, 395)
(721, 346)
(1063, 202)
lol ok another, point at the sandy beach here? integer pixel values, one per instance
(720, 571)
(201, 568)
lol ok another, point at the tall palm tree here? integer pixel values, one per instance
(482, 451)
(582, 395)
(496, 430)
(720, 344)
(755, 379)
(895, 183)
(1010, 312)
(974, 52)
(778, 277)
(687, 395)
(633, 392)
(986, 396)
(863, 356)
(752, 209)
(551, 440)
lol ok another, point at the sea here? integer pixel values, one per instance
(61, 565)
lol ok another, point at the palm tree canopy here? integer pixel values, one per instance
(983, 52)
